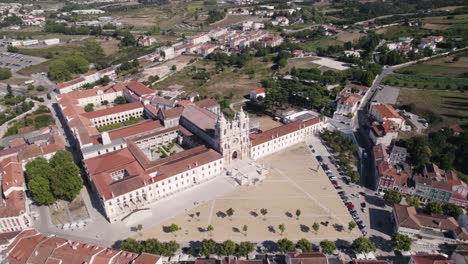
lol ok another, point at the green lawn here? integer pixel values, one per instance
(119, 125)
(393, 33)
(320, 43)
(440, 73)
(451, 106)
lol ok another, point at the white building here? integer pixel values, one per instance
(52, 41)
(88, 12)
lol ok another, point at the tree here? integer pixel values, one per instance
(264, 212)
(451, 210)
(89, 108)
(245, 228)
(351, 225)
(281, 228)
(38, 167)
(401, 242)
(197, 214)
(67, 181)
(39, 187)
(131, 245)
(139, 227)
(285, 245)
(363, 245)
(412, 200)
(304, 245)
(230, 212)
(227, 248)
(433, 208)
(48, 96)
(245, 248)
(173, 68)
(12, 49)
(210, 229)
(5, 73)
(120, 100)
(327, 246)
(316, 227)
(392, 197)
(9, 91)
(105, 102)
(173, 228)
(207, 247)
(127, 38)
(298, 213)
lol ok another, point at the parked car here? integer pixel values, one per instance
(363, 205)
(350, 206)
(338, 187)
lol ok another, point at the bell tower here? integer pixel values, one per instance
(233, 136)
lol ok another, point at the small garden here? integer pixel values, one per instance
(129, 122)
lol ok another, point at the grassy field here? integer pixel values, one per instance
(231, 19)
(440, 73)
(320, 43)
(393, 33)
(349, 36)
(52, 52)
(222, 83)
(451, 106)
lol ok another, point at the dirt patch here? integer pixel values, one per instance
(349, 36)
(435, 26)
(164, 68)
(231, 19)
(110, 46)
(58, 213)
(264, 123)
(78, 209)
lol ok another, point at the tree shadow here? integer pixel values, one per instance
(382, 243)
(304, 228)
(221, 214)
(380, 220)
(166, 229)
(235, 230)
(201, 229)
(271, 229)
(270, 245)
(253, 213)
(324, 223)
(338, 227)
(288, 214)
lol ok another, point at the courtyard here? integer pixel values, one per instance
(294, 181)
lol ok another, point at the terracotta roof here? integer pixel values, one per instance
(12, 173)
(257, 139)
(75, 252)
(63, 85)
(386, 111)
(369, 261)
(172, 113)
(456, 128)
(350, 99)
(80, 94)
(258, 91)
(207, 103)
(146, 258)
(380, 153)
(24, 247)
(388, 170)
(184, 103)
(44, 249)
(407, 216)
(109, 161)
(113, 110)
(133, 130)
(431, 259)
(5, 238)
(17, 142)
(307, 258)
(138, 88)
(205, 261)
(201, 118)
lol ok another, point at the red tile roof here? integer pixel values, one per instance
(307, 258)
(258, 91)
(146, 258)
(431, 259)
(257, 139)
(386, 111)
(139, 88)
(64, 85)
(407, 216)
(113, 110)
(132, 130)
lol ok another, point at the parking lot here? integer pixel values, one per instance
(16, 62)
(367, 208)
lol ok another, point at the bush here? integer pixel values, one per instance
(5, 73)
(89, 108)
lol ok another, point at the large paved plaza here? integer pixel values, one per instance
(293, 182)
